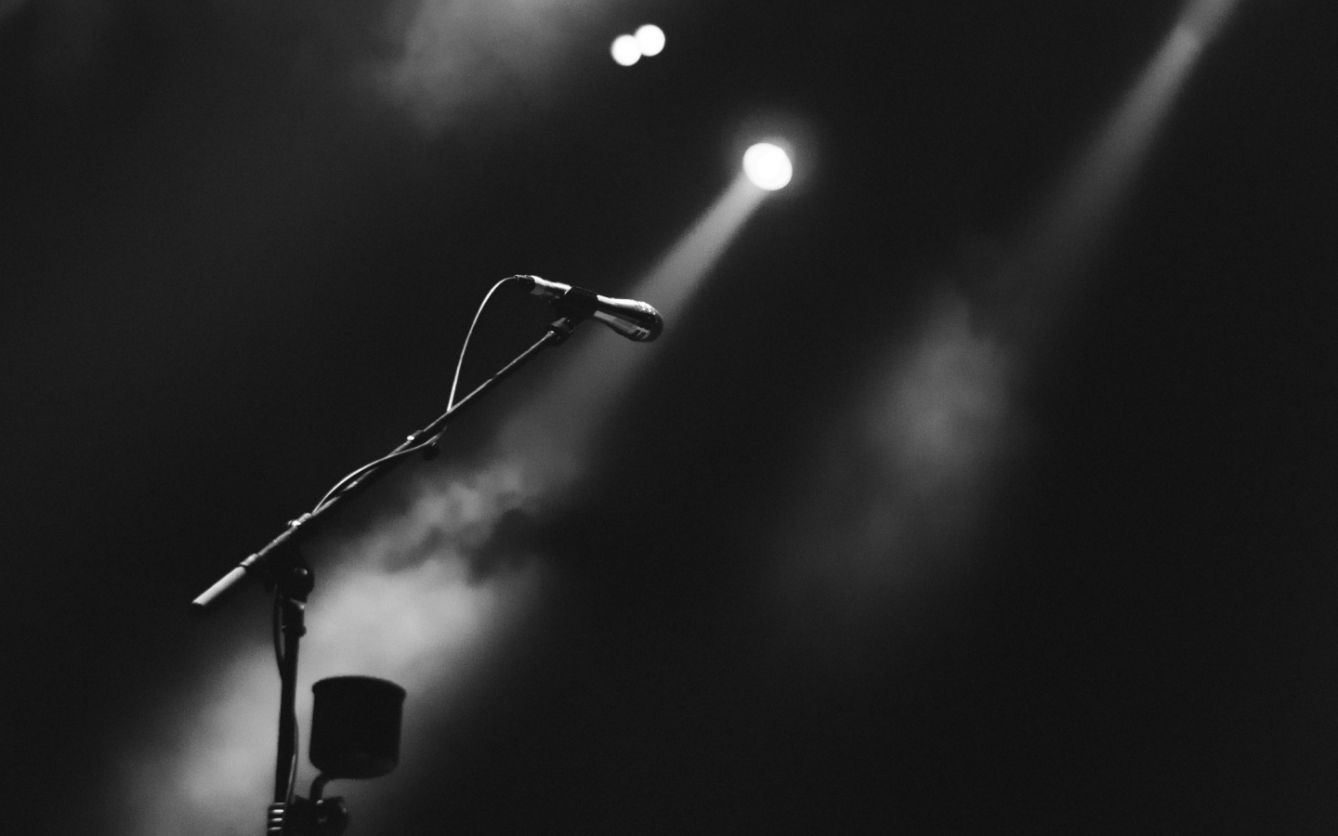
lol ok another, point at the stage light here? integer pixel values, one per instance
(651, 39)
(626, 50)
(767, 166)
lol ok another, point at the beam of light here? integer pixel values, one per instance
(406, 601)
(925, 442)
(1204, 18)
(650, 38)
(626, 50)
(1078, 215)
(671, 283)
(767, 166)
(568, 412)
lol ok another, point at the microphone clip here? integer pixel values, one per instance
(577, 303)
(630, 318)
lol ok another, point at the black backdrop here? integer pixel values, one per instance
(228, 276)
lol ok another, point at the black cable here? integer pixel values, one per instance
(346, 482)
(292, 768)
(276, 625)
(277, 629)
(459, 363)
(339, 487)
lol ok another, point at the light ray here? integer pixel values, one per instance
(909, 476)
(403, 601)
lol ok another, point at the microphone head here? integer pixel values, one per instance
(635, 320)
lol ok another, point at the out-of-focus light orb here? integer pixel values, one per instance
(626, 50)
(767, 166)
(651, 39)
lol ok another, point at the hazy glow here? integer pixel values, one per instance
(474, 64)
(626, 51)
(423, 625)
(905, 467)
(650, 38)
(768, 166)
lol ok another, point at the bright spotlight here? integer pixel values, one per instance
(767, 166)
(626, 50)
(651, 39)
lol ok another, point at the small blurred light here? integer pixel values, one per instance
(651, 39)
(767, 166)
(626, 50)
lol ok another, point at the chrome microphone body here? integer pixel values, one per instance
(634, 320)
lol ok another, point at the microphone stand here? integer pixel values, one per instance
(279, 565)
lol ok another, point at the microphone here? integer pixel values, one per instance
(634, 320)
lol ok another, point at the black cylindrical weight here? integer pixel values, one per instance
(355, 726)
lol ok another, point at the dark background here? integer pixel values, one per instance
(228, 276)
